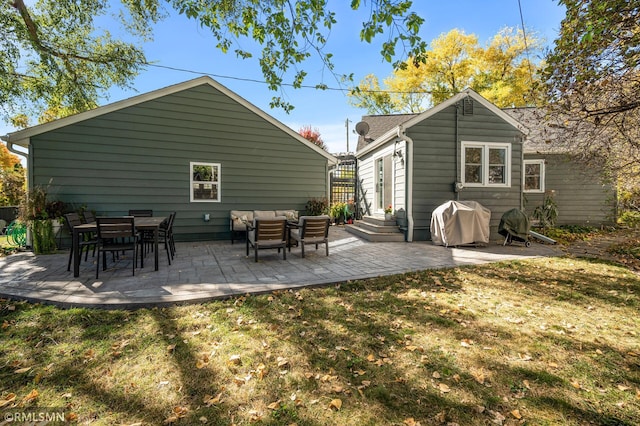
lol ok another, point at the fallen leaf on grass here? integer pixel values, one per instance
(282, 362)
(176, 414)
(202, 362)
(274, 405)
(623, 388)
(411, 422)
(261, 371)
(234, 360)
(22, 370)
(479, 376)
(516, 414)
(337, 389)
(33, 395)
(7, 399)
(444, 388)
(498, 418)
(255, 416)
(335, 404)
(212, 400)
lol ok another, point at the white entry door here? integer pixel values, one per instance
(384, 183)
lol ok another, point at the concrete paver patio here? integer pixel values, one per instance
(217, 269)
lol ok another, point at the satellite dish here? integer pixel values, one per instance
(362, 128)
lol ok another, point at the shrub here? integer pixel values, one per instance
(317, 206)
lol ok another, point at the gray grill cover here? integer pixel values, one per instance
(460, 222)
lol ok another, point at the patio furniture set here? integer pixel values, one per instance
(139, 232)
(279, 229)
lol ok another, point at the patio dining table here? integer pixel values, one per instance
(141, 224)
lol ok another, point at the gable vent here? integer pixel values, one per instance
(467, 106)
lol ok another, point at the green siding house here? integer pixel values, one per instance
(195, 148)
(466, 148)
(582, 195)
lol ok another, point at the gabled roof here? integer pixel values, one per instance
(22, 137)
(418, 118)
(379, 125)
(543, 137)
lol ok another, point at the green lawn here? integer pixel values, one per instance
(540, 342)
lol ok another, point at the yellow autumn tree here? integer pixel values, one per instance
(505, 74)
(501, 72)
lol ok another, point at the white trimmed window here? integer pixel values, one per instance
(486, 164)
(533, 175)
(205, 182)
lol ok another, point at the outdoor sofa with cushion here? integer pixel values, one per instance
(239, 218)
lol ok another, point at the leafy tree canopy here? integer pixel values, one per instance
(502, 72)
(312, 135)
(55, 60)
(592, 84)
(12, 178)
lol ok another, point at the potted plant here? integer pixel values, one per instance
(43, 219)
(340, 212)
(317, 206)
(388, 213)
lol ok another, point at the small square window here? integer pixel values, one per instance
(205, 182)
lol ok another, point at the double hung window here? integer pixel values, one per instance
(533, 175)
(205, 182)
(486, 164)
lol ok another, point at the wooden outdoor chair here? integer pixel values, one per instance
(268, 234)
(312, 230)
(117, 234)
(72, 220)
(88, 216)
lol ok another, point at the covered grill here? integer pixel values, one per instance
(514, 225)
(460, 222)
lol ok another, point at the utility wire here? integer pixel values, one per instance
(526, 45)
(303, 86)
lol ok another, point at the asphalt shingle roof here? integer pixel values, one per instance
(540, 137)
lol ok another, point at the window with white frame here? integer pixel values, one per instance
(533, 175)
(486, 164)
(205, 182)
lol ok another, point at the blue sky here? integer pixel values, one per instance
(181, 43)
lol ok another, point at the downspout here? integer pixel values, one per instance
(12, 149)
(522, 172)
(408, 180)
(458, 163)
